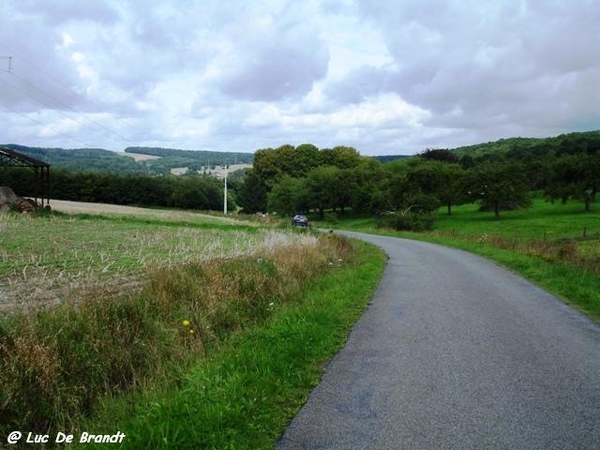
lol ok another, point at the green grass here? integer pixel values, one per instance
(214, 347)
(543, 220)
(47, 260)
(556, 246)
(244, 395)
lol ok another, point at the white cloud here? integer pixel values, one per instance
(382, 75)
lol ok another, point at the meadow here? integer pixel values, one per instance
(186, 331)
(46, 260)
(554, 245)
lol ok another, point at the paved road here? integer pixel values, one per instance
(457, 353)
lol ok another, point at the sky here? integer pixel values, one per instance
(383, 76)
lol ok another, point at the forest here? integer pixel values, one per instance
(405, 192)
(100, 160)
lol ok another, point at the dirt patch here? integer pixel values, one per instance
(105, 208)
(139, 157)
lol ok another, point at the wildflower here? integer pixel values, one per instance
(186, 323)
(191, 331)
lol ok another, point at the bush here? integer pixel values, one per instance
(408, 221)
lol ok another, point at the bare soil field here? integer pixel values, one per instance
(105, 208)
(139, 157)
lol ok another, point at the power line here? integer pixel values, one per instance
(53, 98)
(45, 125)
(66, 106)
(62, 113)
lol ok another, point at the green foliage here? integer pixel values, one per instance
(575, 176)
(439, 179)
(531, 148)
(497, 184)
(57, 365)
(408, 221)
(82, 159)
(287, 197)
(441, 155)
(100, 160)
(247, 392)
(194, 192)
(271, 164)
(252, 194)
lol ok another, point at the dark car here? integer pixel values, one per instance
(300, 221)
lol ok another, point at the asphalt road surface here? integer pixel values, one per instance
(456, 353)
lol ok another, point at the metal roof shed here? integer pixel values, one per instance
(41, 187)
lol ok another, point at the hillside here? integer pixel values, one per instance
(100, 160)
(192, 159)
(519, 147)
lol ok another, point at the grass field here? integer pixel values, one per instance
(147, 324)
(47, 260)
(554, 245)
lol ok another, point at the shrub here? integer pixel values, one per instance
(408, 221)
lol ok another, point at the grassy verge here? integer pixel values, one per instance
(244, 395)
(555, 246)
(222, 348)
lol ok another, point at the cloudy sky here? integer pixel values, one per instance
(383, 76)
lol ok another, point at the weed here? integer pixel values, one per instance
(58, 363)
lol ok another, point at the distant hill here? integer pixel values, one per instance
(81, 159)
(192, 159)
(518, 147)
(100, 160)
(388, 158)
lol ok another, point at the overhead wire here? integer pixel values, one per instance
(53, 98)
(46, 125)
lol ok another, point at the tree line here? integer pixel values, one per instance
(187, 192)
(408, 192)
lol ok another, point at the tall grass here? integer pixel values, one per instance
(245, 394)
(49, 260)
(57, 363)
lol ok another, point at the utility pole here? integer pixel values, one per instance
(225, 194)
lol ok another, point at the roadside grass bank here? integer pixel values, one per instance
(115, 358)
(245, 392)
(556, 246)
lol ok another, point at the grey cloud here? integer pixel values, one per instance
(474, 62)
(281, 63)
(61, 11)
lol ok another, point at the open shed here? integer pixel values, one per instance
(41, 183)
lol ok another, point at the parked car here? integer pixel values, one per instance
(300, 221)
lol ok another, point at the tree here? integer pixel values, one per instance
(370, 193)
(287, 196)
(341, 156)
(439, 179)
(442, 155)
(498, 184)
(318, 186)
(574, 176)
(252, 195)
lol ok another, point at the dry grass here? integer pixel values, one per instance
(56, 364)
(580, 252)
(46, 261)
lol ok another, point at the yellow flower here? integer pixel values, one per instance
(186, 323)
(191, 331)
